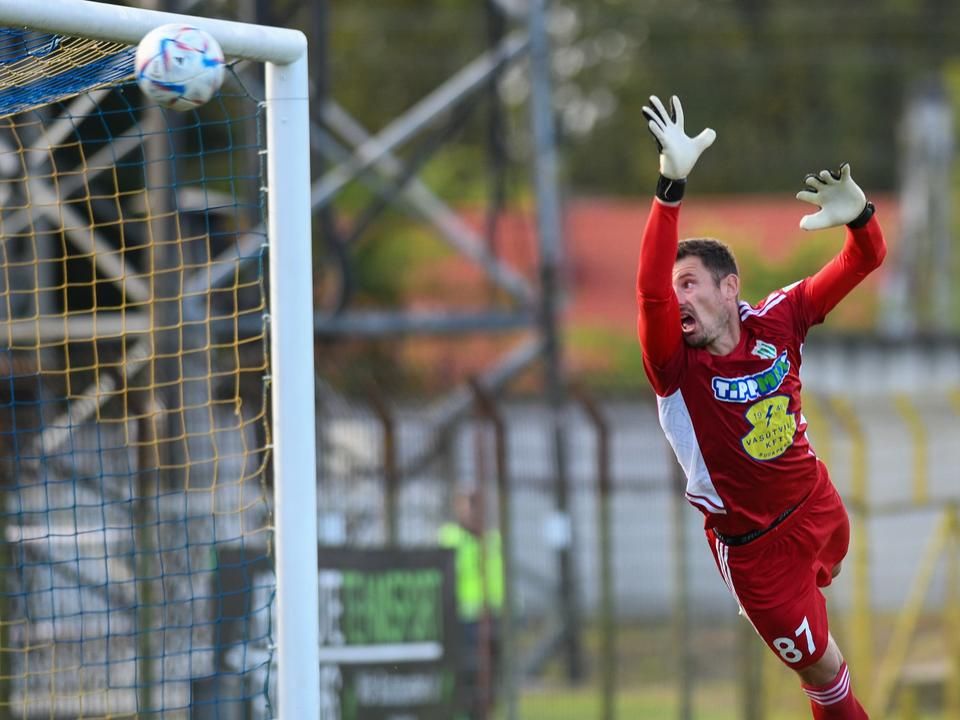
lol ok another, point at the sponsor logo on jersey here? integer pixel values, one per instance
(773, 428)
(764, 350)
(752, 387)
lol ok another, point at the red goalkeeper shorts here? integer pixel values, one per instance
(777, 577)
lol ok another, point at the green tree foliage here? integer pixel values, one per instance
(788, 86)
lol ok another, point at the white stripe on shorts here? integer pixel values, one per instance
(723, 558)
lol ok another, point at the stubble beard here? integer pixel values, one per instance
(704, 336)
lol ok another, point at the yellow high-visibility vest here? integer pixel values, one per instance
(472, 593)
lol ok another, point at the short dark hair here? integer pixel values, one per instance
(715, 256)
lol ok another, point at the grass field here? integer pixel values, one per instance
(714, 702)
(647, 687)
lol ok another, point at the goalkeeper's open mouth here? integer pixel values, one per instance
(688, 323)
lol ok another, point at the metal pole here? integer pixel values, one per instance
(608, 641)
(548, 224)
(162, 432)
(330, 236)
(483, 681)
(681, 601)
(146, 520)
(165, 280)
(293, 380)
(752, 706)
(951, 689)
(391, 475)
(507, 670)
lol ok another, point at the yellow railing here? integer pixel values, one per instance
(891, 670)
(861, 623)
(881, 650)
(918, 433)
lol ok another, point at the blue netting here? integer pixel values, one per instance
(135, 570)
(19, 45)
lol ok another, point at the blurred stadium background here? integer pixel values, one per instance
(477, 214)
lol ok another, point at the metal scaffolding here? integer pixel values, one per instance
(351, 152)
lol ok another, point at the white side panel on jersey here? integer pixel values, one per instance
(678, 427)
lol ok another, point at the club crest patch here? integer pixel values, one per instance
(764, 350)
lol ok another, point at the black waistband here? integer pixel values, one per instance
(754, 534)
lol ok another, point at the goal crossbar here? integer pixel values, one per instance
(99, 21)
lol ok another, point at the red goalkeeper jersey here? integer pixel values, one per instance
(735, 421)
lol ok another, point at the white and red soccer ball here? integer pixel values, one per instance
(179, 66)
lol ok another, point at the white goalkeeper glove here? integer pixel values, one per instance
(840, 199)
(678, 151)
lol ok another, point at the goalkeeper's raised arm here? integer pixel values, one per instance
(841, 202)
(659, 324)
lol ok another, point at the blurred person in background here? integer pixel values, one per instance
(478, 563)
(726, 376)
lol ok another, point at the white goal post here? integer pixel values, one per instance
(293, 450)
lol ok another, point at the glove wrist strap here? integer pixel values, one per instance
(672, 190)
(863, 218)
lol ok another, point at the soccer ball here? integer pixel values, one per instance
(179, 66)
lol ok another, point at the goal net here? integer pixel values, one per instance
(137, 550)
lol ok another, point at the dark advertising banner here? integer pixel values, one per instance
(388, 633)
(388, 629)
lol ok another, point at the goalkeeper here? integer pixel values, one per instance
(727, 380)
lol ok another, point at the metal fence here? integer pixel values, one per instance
(658, 629)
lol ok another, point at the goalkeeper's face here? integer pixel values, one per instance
(708, 307)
